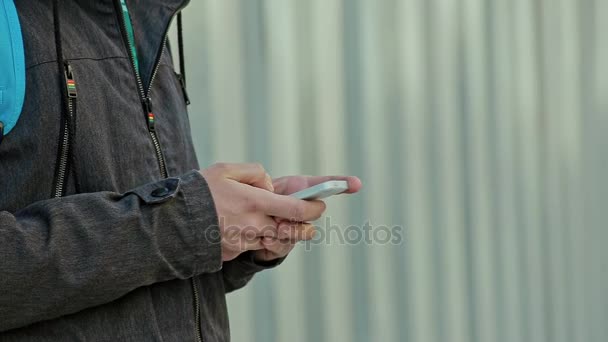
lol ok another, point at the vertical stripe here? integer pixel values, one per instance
(290, 322)
(359, 281)
(256, 110)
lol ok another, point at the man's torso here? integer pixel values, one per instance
(112, 151)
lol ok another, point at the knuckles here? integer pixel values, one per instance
(259, 168)
(297, 211)
(319, 212)
(251, 204)
(221, 168)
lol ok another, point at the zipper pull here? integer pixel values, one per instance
(70, 83)
(182, 82)
(149, 113)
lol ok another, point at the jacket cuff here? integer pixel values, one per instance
(238, 272)
(249, 261)
(245, 265)
(188, 234)
(203, 222)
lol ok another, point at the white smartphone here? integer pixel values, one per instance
(322, 190)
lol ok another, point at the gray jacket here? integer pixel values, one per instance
(107, 232)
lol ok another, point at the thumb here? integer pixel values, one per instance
(253, 174)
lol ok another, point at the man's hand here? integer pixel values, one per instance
(289, 233)
(248, 209)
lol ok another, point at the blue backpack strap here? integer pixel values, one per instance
(12, 67)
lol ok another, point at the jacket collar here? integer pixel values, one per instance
(151, 21)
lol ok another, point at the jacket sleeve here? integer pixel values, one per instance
(238, 272)
(63, 255)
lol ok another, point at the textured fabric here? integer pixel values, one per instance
(113, 262)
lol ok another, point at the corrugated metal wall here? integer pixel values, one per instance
(477, 126)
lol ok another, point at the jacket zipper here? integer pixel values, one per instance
(63, 161)
(62, 170)
(147, 105)
(197, 309)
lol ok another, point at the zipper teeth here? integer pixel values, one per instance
(144, 94)
(163, 47)
(159, 155)
(197, 311)
(140, 83)
(63, 161)
(156, 67)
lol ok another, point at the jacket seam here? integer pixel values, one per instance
(76, 59)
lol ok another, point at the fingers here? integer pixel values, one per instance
(290, 234)
(295, 232)
(267, 226)
(252, 245)
(280, 184)
(256, 226)
(242, 246)
(290, 208)
(276, 248)
(248, 173)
